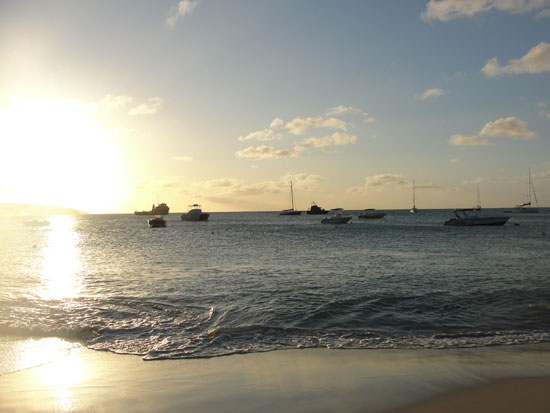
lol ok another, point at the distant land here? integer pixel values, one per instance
(36, 210)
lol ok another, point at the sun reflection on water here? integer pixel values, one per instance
(61, 261)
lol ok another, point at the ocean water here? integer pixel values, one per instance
(251, 282)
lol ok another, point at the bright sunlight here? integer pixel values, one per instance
(57, 153)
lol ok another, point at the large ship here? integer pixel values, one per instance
(160, 209)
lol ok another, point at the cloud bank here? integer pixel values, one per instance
(510, 127)
(445, 10)
(537, 60)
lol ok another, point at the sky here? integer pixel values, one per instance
(111, 106)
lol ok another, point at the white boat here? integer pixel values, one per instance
(194, 213)
(157, 222)
(336, 219)
(464, 220)
(527, 207)
(371, 213)
(414, 210)
(290, 211)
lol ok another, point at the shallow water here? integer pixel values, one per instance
(248, 282)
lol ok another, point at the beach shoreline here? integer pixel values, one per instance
(292, 380)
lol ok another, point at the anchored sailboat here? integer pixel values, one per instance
(478, 206)
(290, 211)
(414, 210)
(527, 206)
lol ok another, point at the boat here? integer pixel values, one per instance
(37, 223)
(414, 210)
(315, 209)
(160, 209)
(194, 213)
(291, 211)
(371, 213)
(527, 208)
(478, 206)
(157, 222)
(336, 219)
(464, 220)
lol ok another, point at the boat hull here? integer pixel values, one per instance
(195, 217)
(157, 223)
(476, 221)
(336, 220)
(290, 212)
(372, 215)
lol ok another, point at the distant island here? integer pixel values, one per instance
(36, 210)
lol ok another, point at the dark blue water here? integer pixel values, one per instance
(248, 282)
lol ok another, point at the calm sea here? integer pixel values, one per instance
(249, 282)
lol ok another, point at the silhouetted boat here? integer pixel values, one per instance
(290, 211)
(527, 208)
(160, 209)
(157, 222)
(414, 210)
(194, 213)
(371, 213)
(314, 209)
(464, 220)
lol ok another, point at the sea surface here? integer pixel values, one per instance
(253, 282)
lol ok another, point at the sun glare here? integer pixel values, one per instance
(61, 262)
(58, 154)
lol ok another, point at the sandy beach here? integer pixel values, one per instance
(483, 379)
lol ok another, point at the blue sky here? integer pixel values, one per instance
(224, 102)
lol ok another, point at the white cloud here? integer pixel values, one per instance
(445, 10)
(149, 108)
(341, 109)
(112, 102)
(431, 93)
(336, 139)
(184, 7)
(537, 60)
(298, 125)
(275, 123)
(268, 152)
(227, 190)
(461, 140)
(184, 158)
(379, 181)
(510, 127)
(261, 135)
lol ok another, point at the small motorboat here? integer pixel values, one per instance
(336, 219)
(464, 220)
(315, 209)
(371, 213)
(194, 213)
(157, 222)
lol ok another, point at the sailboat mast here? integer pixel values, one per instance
(291, 197)
(414, 195)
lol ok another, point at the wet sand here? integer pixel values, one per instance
(79, 379)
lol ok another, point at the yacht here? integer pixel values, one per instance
(290, 211)
(336, 219)
(527, 207)
(464, 220)
(371, 213)
(315, 209)
(160, 209)
(194, 213)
